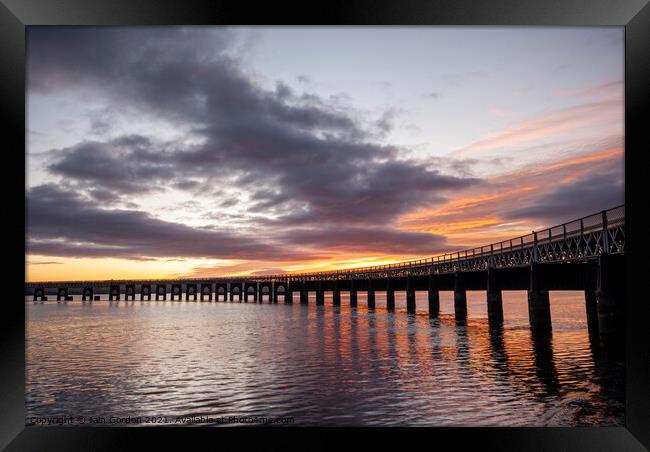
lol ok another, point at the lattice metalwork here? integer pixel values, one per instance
(578, 240)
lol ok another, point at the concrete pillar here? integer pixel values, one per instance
(539, 306)
(320, 295)
(390, 295)
(256, 292)
(62, 294)
(591, 301)
(371, 295)
(190, 291)
(86, 294)
(434, 297)
(288, 294)
(113, 293)
(494, 299)
(610, 307)
(304, 294)
(39, 292)
(129, 292)
(206, 290)
(410, 296)
(460, 298)
(145, 292)
(177, 290)
(336, 295)
(161, 292)
(353, 294)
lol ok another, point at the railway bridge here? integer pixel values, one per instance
(586, 254)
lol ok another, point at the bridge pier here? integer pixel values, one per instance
(62, 294)
(460, 298)
(336, 295)
(304, 294)
(87, 294)
(190, 291)
(390, 295)
(113, 292)
(176, 292)
(410, 296)
(320, 294)
(494, 299)
(434, 298)
(288, 294)
(591, 301)
(539, 306)
(371, 295)
(129, 292)
(145, 292)
(161, 292)
(206, 289)
(353, 295)
(610, 307)
(39, 292)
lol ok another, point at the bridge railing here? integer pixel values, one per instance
(583, 238)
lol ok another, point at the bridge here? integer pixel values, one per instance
(586, 254)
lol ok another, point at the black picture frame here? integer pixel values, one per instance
(15, 15)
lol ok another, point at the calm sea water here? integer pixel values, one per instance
(320, 365)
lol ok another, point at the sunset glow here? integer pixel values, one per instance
(209, 151)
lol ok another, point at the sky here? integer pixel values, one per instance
(157, 152)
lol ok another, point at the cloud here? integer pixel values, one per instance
(386, 240)
(299, 156)
(583, 196)
(61, 223)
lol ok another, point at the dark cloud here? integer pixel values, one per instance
(301, 158)
(383, 240)
(61, 223)
(568, 201)
(299, 145)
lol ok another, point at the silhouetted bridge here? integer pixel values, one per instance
(586, 254)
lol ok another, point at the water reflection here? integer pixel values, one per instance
(324, 365)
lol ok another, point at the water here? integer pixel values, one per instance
(320, 365)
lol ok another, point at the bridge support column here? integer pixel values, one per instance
(190, 291)
(353, 294)
(304, 294)
(39, 292)
(539, 306)
(161, 292)
(113, 293)
(129, 292)
(145, 292)
(494, 299)
(410, 296)
(87, 294)
(288, 294)
(591, 301)
(390, 295)
(176, 292)
(320, 295)
(611, 307)
(371, 295)
(256, 295)
(460, 298)
(434, 297)
(336, 295)
(206, 290)
(62, 294)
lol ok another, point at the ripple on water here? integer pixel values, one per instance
(321, 365)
